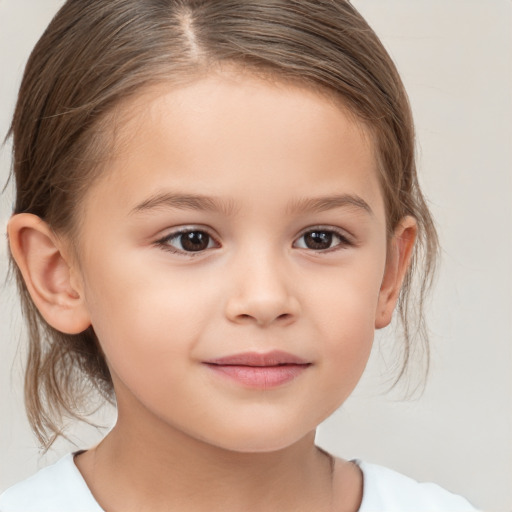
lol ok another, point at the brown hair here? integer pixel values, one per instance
(97, 53)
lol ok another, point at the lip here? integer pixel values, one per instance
(259, 370)
(273, 358)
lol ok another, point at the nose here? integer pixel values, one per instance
(262, 294)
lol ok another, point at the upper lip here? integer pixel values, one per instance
(274, 358)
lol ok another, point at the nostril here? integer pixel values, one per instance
(262, 310)
(281, 318)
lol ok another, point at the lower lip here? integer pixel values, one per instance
(260, 377)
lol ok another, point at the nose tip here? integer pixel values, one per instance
(263, 303)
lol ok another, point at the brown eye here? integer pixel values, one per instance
(318, 240)
(190, 241)
(322, 240)
(194, 241)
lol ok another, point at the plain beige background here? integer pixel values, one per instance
(455, 57)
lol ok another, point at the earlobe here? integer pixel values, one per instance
(398, 260)
(47, 273)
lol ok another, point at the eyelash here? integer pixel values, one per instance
(165, 242)
(343, 240)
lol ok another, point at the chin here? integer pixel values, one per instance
(259, 438)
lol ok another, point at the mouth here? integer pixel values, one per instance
(259, 370)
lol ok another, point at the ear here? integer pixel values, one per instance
(53, 283)
(398, 260)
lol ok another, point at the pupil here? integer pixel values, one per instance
(318, 240)
(194, 241)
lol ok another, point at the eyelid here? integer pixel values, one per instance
(163, 242)
(347, 240)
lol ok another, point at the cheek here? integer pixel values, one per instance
(346, 300)
(349, 337)
(345, 315)
(141, 314)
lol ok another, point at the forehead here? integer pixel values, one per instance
(222, 130)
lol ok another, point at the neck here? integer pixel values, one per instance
(130, 470)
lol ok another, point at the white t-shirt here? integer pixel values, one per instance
(61, 488)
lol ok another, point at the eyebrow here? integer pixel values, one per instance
(325, 203)
(166, 200)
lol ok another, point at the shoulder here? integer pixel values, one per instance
(56, 488)
(385, 489)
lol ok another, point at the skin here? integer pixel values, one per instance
(265, 152)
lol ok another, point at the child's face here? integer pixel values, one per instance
(286, 251)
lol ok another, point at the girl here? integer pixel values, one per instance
(216, 207)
